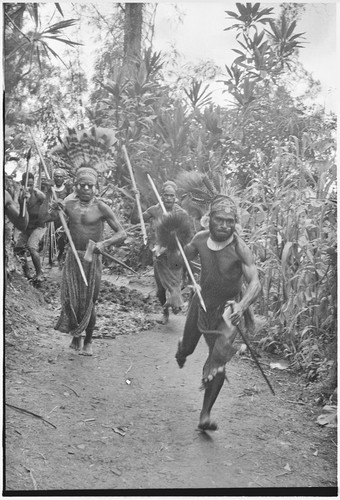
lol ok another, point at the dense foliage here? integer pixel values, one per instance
(273, 151)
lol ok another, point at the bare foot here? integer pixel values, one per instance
(176, 310)
(75, 344)
(179, 357)
(163, 320)
(206, 424)
(87, 349)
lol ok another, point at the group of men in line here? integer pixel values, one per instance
(32, 223)
(225, 259)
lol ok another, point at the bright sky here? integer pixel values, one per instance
(201, 36)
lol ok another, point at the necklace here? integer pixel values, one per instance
(215, 246)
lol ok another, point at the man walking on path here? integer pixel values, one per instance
(14, 214)
(62, 186)
(86, 217)
(225, 261)
(168, 274)
(31, 237)
(62, 189)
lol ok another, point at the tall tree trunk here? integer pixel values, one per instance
(133, 31)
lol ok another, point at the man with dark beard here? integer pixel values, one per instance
(225, 261)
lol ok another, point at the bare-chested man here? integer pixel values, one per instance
(86, 217)
(225, 261)
(15, 215)
(62, 188)
(29, 239)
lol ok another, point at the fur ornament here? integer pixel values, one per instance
(171, 225)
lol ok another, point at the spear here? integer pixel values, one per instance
(28, 157)
(255, 358)
(187, 265)
(61, 213)
(245, 340)
(140, 212)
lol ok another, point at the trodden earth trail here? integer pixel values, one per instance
(126, 418)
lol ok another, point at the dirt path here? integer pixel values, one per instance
(126, 418)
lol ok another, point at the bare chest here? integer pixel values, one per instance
(85, 215)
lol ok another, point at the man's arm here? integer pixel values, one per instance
(191, 249)
(54, 210)
(135, 215)
(111, 218)
(14, 215)
(40, 196)
(251, 276)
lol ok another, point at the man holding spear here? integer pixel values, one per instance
(225, 262)
(168, 268)
(30, 238)
(86, 217)
(85, 151)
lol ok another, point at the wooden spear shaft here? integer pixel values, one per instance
(61, 214)
(26, 182)
(140, 212)
(187, 265)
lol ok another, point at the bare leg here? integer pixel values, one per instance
(37, 264)
(87, 347)
(211, 392)
(75, 344)
(161, 295)
(61, 248)
(26, 269)
(22, 255)
(191, 335)
(165, 316)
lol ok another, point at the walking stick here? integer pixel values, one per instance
(51, 243)
(255, 358)
(61, 213)
(26, 181)
(197, 290)
(245, 340)
(140, 212)
(45, 243)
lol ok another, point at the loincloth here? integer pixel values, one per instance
(219, 333)
(77, 299)
(169, 275)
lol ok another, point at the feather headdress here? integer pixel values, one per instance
(91, 148)
(198, 185)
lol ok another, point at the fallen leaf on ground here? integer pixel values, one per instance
(118, 430)
(329, 408)
(329, 420)
(283, 364)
